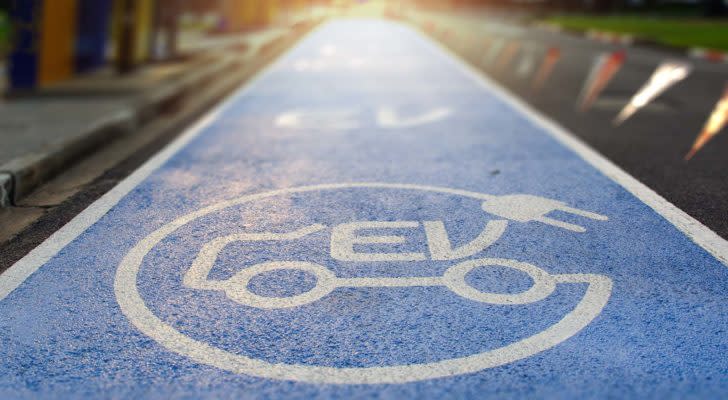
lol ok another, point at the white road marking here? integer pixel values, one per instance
(441, 249)
(134, 308)
(343, 119)
(387, 117)
(337, 119)
(344, 237)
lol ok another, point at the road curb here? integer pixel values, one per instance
(6, 187)
(708, 54)
(592, 34)
(22, 175)
(159, 101)
(30, 170)
(609, 37)
(700, 53)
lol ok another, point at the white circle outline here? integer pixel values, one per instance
(543, 282)
(236, 288)
(133, 307)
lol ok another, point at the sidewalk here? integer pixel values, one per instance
(42, 134)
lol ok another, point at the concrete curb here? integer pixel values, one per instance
(157, 102)
(22, 175)
(6, 187)
(28, 171)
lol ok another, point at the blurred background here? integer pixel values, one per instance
(641, 81)
(47, 41)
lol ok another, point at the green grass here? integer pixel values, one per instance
(674, 31)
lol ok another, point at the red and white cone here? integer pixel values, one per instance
(507, 55)
(666, 75)
(552, 57)
(605, 67)
(713, 126)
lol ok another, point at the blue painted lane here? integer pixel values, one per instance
(368, 219)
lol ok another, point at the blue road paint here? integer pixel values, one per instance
(368, 219)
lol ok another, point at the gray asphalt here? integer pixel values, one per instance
(651, 145)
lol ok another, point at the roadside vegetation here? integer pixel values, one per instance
(673, 31)
(4, 34)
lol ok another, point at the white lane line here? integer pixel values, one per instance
(21, 270)
(696, 231)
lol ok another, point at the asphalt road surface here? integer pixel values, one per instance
(651, 144)
(370, 218)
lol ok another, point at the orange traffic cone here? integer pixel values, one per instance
(715, 123)
(547, 67)
(604, 69)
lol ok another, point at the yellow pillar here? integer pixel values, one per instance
(58, 27)
(242, 14)
(144, 25)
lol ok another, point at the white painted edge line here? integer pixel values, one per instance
(36, 258)
(696, 231)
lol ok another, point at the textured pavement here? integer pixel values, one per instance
(339, 229)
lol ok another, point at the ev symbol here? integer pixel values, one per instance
(345, 119)
(347, 243)
(344, 238)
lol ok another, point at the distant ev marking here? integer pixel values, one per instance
(344, 237)
(342, 119)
